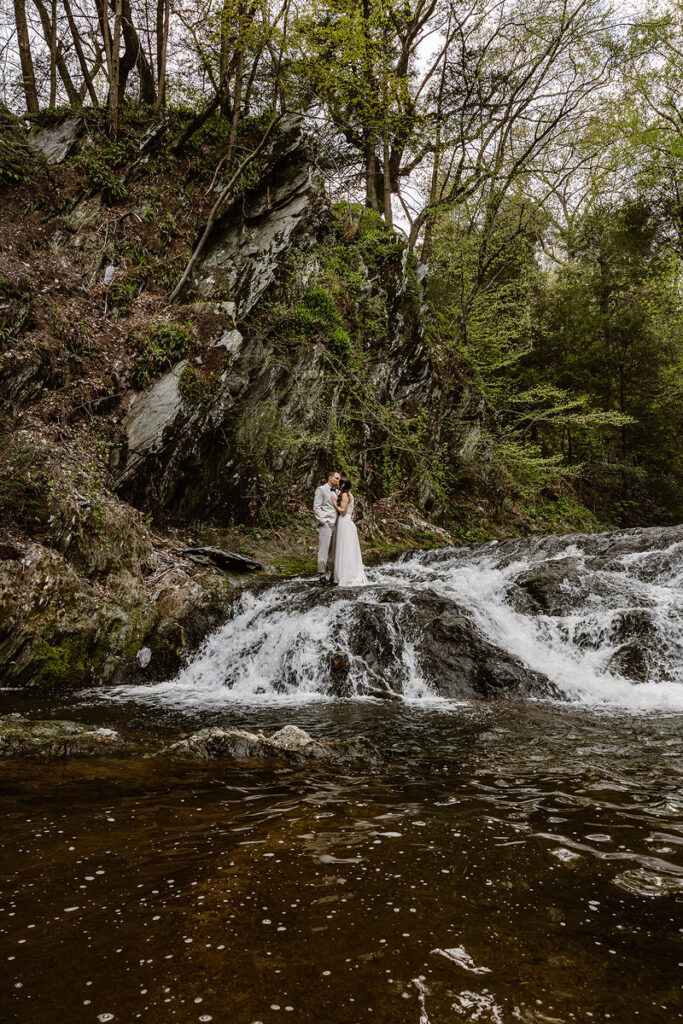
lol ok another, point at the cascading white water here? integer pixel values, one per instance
(575, 649)
(615, 596)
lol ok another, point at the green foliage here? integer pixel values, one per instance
(371, 237)
(316, 317)
(198, 390)
(121, 293)
(73, 335)
(99, 160)
(18, 162)
(160, 348)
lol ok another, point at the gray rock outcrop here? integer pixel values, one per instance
(50, 740)
(289, 743)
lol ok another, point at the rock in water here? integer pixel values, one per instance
(47, 740)
(291, 743)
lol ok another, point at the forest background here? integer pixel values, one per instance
(529, 153)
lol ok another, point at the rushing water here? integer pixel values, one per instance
(613, 594)
(508, 861)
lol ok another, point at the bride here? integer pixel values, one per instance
(348, 561)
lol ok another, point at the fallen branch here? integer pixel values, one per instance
(217, 206)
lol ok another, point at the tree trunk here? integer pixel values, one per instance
(27, 72)
(53, 55)
(236, 104)
(134, 55)
(87, 77)
(370, 170)
(224, 59)
(103, 18)
(162, 50)
(277, 69)
(388, 215)
(57, 62)
(114, 72)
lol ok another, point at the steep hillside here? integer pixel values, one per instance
(133, 427)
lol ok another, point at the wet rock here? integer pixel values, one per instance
(459, 661)
(450, 653)
(229, 561)
(633, 661)
(551, 588)
(48, 740)
(340, 665)
(290, 743)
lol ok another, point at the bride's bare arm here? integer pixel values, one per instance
(343, 504)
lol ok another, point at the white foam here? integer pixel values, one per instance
(274, 648)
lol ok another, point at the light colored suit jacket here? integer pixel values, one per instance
(325, 512)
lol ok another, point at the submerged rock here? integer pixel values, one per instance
(47, 740)
(291, 743)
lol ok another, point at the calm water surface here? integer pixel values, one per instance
(507, 863)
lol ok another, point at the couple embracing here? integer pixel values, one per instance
(338, 545)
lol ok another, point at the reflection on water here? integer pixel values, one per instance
(508, 863)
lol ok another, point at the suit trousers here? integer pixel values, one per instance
(326, 543)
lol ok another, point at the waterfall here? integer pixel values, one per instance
(590, 619)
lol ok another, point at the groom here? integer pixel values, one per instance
(326, 517)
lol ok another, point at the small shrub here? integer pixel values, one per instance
(159, 349)
(18, 162)
(197, 390)
(99, 163)
(340, 343)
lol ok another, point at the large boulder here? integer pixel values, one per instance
(459, 661)
(254, 234)
(387, 641)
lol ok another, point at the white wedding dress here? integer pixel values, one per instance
(348, 561)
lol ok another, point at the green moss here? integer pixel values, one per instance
(290, 567)
(53, 663)
(66, 659)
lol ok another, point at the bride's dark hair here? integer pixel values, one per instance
(344, 485)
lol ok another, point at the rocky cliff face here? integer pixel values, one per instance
(312, 352)
(300, 343)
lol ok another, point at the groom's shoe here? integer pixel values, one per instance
(322, 578)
